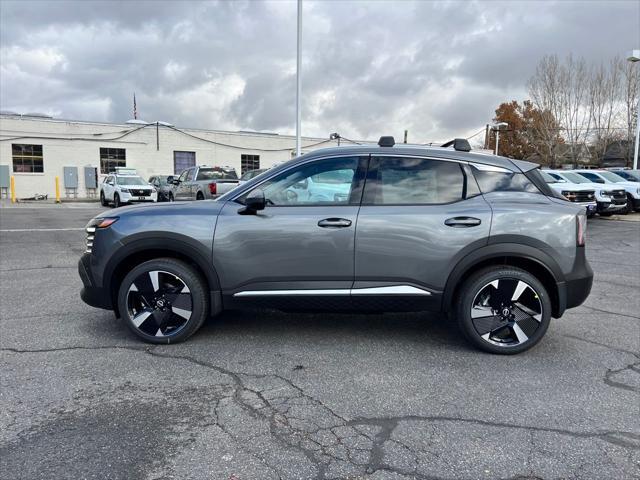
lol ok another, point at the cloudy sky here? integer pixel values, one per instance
(438, 69)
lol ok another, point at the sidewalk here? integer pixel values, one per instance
(50, 203)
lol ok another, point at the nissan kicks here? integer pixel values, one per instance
(357, 228)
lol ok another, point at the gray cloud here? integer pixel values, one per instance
(438, 69)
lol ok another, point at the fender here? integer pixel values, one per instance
(497, 250)
(174, 242)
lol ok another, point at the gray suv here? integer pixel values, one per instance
(365, 228)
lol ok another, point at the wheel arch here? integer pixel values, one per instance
(530, 259)
(142, 250)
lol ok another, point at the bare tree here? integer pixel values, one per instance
(604, 106)
(574, 80)
(546, 94)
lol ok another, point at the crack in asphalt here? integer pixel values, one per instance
(633, 367)
(301, 423)
(609, 312)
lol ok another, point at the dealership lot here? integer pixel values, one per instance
(261, 395)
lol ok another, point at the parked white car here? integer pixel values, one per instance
(609, 200)
(576, 193)
(604, 177)
(121, 189)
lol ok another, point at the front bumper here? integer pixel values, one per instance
(90, 294)
(610, 207)
(129, 198)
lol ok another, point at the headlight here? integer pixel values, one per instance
(124, 190)
(604, 193)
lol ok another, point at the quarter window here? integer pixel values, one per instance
(413, 181)
(324, 182)
(110, 158)
(27, 158)
(249, 162)
(493, 181)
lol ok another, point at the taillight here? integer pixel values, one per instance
(581, 230)
(213, 189)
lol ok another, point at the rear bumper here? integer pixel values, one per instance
(90, 294)
(577, 285)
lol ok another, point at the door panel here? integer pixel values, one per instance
(299, 251)
(419, 217)
(413, 244)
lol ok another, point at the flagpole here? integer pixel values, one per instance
(299, 81)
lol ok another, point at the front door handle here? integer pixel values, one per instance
(334, 223)
(461, 222)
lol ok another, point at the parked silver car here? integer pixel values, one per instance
(365, 228)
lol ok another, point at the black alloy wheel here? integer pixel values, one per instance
(163, 301)
(504, 310)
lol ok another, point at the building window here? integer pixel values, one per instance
(110, 158)
(248, 163)
(182, 161)
(27, 158)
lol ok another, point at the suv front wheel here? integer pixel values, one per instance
(163, 301)
(503, 309)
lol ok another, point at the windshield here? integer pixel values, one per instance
(216, 174)
(575, 178)
(612, 177)
(548, 178)
(131, 181)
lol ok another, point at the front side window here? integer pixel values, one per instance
(249, 162)
(191, 173)
(413, 181)
(323, 182)
(110, 158)
(27, 158)
(183, 176)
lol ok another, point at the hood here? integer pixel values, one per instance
(211, 207)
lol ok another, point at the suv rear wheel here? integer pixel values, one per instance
(163, 301)
(503, 310)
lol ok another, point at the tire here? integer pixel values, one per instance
(103, 201)
(506, 328)
(171, 199)
(116, 201)
(149, 296)
(199, 196)
(630, 208)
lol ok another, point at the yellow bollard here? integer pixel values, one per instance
(57, 189)
(13, 189)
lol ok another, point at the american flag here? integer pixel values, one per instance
(135, 108)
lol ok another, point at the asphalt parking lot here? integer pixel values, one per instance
(265, 395)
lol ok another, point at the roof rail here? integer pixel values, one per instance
(459, 144)
(386, 142)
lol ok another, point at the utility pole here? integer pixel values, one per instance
(299, 81)
(406, 132)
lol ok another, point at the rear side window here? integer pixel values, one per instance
(413, 181)
(216, 174)
(499, 181)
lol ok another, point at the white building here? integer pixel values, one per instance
(35, 149)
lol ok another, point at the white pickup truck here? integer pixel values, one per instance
(610, 200)
(580, 194)
(202, 182)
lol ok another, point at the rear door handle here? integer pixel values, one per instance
(334, 223)
(461, 222)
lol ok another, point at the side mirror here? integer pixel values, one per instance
(599, 180)
(170, 179)
(253, 202)
(175, 181)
